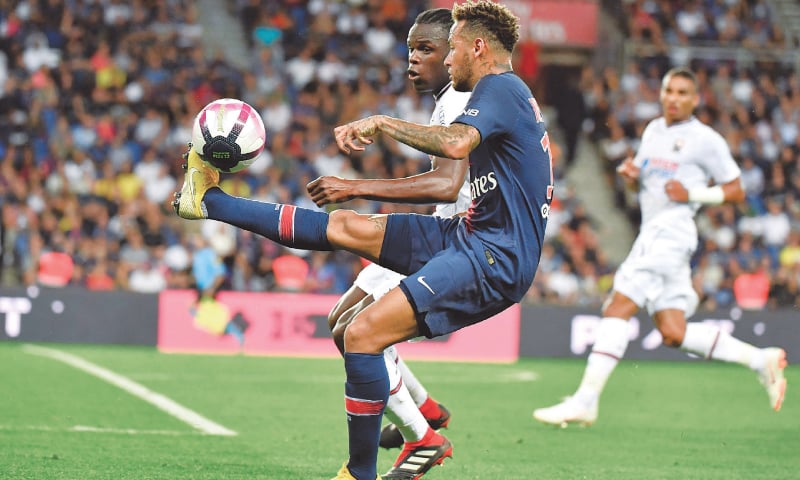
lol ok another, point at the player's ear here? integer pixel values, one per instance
(479, 45)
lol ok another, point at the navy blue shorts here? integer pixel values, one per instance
(445, 285)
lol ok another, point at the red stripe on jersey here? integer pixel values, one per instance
(468, 219)
(286, 223)
(357, 406)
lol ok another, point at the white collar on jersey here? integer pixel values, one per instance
(437, 96)
(682, 122)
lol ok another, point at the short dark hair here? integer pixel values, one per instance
(485, 16)
(439, 18)
(436, 16)
(682, 72)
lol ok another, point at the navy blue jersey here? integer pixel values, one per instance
(511, 180)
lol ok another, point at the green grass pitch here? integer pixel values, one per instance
(658, 420)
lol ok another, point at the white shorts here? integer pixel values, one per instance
(377, 281)
(656, 274)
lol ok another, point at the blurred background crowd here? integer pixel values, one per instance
(97, 99)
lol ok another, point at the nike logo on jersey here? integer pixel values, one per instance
(422, 282)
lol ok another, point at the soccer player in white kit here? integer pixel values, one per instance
(414, 414)
(678, 157)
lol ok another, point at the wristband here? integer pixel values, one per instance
(707, 195)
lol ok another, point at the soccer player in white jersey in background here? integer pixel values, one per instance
(678, 157)
(414, 414)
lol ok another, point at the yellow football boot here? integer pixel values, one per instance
(199, 178)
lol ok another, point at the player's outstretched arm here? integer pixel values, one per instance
(451, 141)
(438, 185)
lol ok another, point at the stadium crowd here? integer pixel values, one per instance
(97, 101)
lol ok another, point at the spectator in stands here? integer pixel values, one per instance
(571, 113)
(775, 228)
(785, 288)
(562, 285)
(751, 287)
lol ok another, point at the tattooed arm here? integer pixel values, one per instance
(451, 141)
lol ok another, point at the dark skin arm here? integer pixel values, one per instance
(438, 185)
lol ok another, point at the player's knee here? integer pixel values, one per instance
(619, 306)
(359, 337)
(341, 224)
(672, 335)
(613, 309)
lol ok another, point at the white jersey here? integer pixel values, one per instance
(656, 274)
(376, 280)
(689, 152)
(449, 105)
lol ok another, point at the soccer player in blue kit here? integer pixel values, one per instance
(414, 414)
(460, 270)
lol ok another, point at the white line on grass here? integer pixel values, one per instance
(159, 401)
(85, 428)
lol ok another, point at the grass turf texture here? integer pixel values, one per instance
(658, 420)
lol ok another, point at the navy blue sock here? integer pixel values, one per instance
(285, 224)
(366, 393)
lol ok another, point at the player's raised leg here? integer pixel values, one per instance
(198, 178)
(713, 343)
(288, 225)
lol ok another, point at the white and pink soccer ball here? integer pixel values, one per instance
(228, 134)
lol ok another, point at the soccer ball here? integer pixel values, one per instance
(228, 134)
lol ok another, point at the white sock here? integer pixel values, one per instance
(711, 342)
(418, 392)
(610, 344)
(401, 409)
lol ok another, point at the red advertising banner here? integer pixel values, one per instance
(285, 324)
(551, 22)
